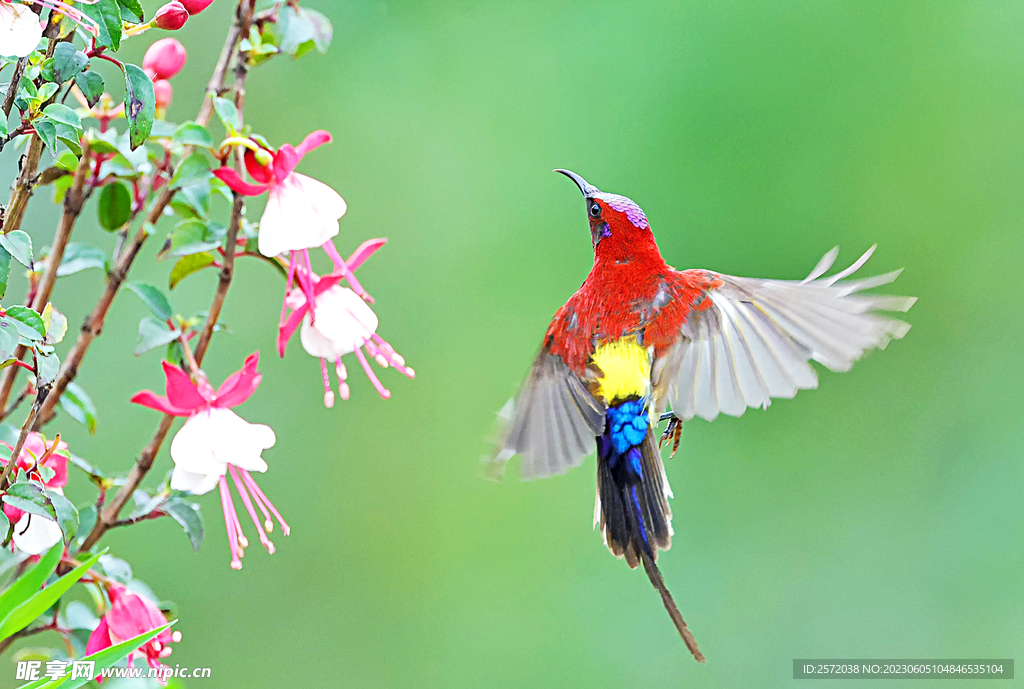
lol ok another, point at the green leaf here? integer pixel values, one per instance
(116, 568)
(194, 236)
(153, 298)
(31, 581)
(228, 114)
(192, 134)
(5, 270)
(86, 521)
(131, 10)
(139, 103)
(47, 131)
(154, 333)
(45, 91)
(8, 343)
(115, 206)
(187, 515)
(63, 114)
(28, 497)
(68, 61)
(108, 15)
(23, 615)
(188, 265)
(56, 325)
(19, 245)
(33, 322)
(79, 257)
(192, 201)
(302, 30)
(47, 367)
(91, 85)
(76, 402)
(67, 515)
(191, 170)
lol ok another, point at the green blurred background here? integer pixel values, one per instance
(879, 516)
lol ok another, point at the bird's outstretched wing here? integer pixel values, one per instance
(552, 424)
(749, 340)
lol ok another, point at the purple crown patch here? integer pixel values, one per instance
(624, 205)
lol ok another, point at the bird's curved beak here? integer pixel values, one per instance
(586, 188)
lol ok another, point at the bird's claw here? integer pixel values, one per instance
(674, 430)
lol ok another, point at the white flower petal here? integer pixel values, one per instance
(239, 442)
(192, 446)
(344, 318)
(197, 484)
(35, 535)
(20, 30)
(294, 220)
(316, 344)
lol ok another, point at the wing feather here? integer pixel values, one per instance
(755, 340)
(552, 424)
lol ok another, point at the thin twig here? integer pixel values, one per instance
(12, 88)
(25, 428)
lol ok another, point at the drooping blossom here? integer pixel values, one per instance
(164, 59)
(163, 93)
(215, 442)
(301, 213)
(130, 615)
(344, 324)
(21, 28)
(33, 533)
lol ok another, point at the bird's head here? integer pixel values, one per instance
(618, 227)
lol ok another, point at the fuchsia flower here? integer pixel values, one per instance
(131, 614)
(196, 6)
(164, 59)
(171, 16)
(21, 28)
(301, 212)
(344, 324)
(34, 534)
(215, 442)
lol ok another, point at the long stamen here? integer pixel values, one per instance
(305, 276)
(249, 481)
(377, 355)
(384, 392)
(87, 23)
(342, 372)
(268, 523)
(241, 541)
(394, 357)
(287, 290)
(249, 508)
(339, 263)
(225, 498)
(328, 393)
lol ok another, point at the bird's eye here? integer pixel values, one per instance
(595, 210)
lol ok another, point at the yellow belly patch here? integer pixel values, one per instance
(626, 369)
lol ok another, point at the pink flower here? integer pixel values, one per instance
(164, 59)
(171, 16)
(216, 442)
(301, 212)
(130, 615)
(196, 6)
(344, 323)
(163, 92)
(35, 534)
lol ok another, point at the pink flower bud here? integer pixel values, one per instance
(164, 59)
(171, 16)
(196, 6)
(162, 93)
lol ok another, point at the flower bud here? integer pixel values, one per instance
(162, 94)
(164, 59)
(196, 6)
(171, 16)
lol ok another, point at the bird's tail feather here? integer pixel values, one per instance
(636, 522)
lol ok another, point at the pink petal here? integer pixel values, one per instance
(151, 400)
(326, 282)
(364, 251)
(240, 385)
(231, 178)
(264, 174)
(99, 639)
(314, 140)
(287, 329)
(59, 464)
(285, 161)
(181, 391)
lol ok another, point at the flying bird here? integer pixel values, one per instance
(640, 341)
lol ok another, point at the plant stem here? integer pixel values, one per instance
(25, 428)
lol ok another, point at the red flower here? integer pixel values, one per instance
(164, 59)
(130, 615)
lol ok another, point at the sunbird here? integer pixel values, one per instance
(641, 342)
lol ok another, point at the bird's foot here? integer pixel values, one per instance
(674, 430)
